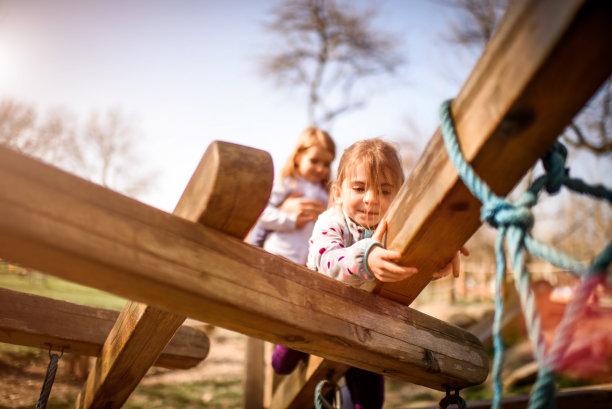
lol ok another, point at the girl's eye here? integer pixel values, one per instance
(358, 188)
(386, 192)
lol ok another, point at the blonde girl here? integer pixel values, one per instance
(298, 196)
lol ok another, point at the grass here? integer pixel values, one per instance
(19, 279)
(195, 395)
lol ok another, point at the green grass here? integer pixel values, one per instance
(18, 279)
(204, 394)
(195, 395)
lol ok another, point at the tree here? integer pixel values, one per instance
(327, 48)
(477, 21)
(101, 151)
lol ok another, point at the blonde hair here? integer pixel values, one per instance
(379, 157)
(309, 137)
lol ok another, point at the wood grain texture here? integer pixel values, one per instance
(542, 66)
(227, 191)
(57, 223)
(36, 321)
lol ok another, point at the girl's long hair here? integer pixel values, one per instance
(309, 137)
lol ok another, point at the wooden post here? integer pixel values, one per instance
(57, 223)
(228, 190)
(32, 320)
(545, 61)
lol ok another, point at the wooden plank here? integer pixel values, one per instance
(138, 252)
(545, 61)
(35, 321)
(228, 191)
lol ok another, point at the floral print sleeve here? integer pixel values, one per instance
(334, 251)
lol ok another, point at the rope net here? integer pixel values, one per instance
(513, 222)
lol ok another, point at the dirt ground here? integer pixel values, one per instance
(21, 378)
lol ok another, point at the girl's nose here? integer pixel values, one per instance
(371, 196)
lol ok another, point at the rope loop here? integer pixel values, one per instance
(498, 212)
(322, 403)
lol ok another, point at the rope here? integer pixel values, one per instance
(48, 383)
(322, 403)
(514, 222)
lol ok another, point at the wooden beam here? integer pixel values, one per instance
(36, 321)
(544, 63)
(62, 225)
(228, 191)
(298, 388)
(254, 374)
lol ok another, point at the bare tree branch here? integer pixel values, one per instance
(327, 48)
(103, 152)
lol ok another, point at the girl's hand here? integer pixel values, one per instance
(304, 210)
(383, 263)
(454, 265)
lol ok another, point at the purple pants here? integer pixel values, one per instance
(367, 388)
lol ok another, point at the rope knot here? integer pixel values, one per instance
(554, 164)
(498, 212)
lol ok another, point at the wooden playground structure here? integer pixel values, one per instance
(541, 67)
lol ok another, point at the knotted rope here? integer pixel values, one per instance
(514, 222)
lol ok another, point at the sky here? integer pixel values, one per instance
(185, 73)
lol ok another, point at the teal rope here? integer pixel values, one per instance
(514, 221)
(320, 401)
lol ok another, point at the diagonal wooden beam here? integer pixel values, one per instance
(228, 191)
(36, 321)
(62, 225)
(546, 60)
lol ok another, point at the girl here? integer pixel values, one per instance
(345, 246)
(296, 201)
(297, 198)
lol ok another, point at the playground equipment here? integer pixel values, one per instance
(546, 60)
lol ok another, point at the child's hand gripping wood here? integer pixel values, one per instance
(454, 265)
(383, 263)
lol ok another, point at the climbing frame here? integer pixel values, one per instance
(60, 224)
(543, 64)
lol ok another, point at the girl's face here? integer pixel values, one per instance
(313, 164)
(362, 200)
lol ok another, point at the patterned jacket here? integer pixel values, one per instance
(338, 246)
